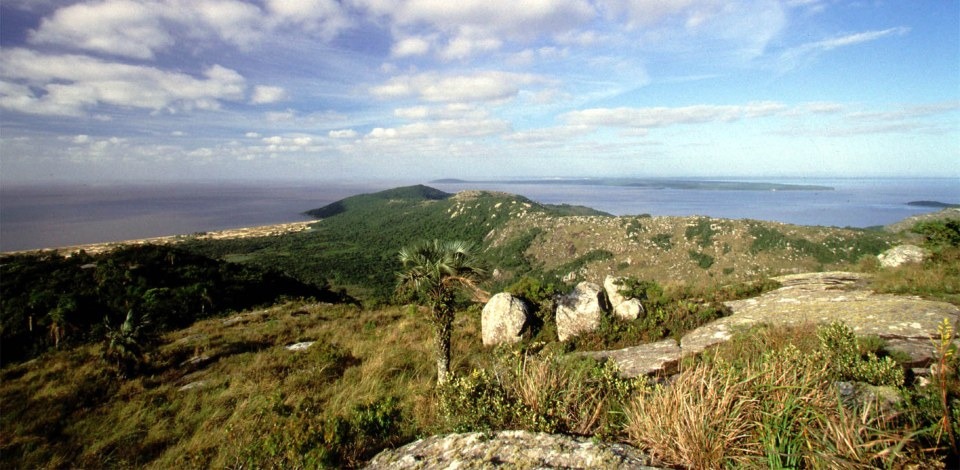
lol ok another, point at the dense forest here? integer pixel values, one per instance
(51, 300)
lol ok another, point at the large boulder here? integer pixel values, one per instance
(623, 307)
(503, 319)
(901, 255)
(511, 449)
(580, 311)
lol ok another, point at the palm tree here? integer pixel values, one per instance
(125, 344)
(434, 271)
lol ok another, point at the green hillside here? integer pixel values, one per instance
(354, 246)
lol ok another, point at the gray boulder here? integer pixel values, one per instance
(511, 449)
(580, 311)
(624, 308)
(502, 319)
(901, 255)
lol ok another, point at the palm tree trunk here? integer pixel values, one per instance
(442, 348)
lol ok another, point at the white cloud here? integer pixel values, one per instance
(449, 111)
(140, 29)
(431, 86)
(70, 84)
(325, 17)
(120, 27)
(343, 134)
(645, 118)
(411, 46)
(793, 57)
(267, 94)
(463, 28)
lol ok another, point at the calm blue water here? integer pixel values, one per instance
(48, 216)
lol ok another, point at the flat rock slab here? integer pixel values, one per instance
(907, 323)
(660, 358)
(511, 449)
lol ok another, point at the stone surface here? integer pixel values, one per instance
(502, 319)
(901, 255)
(660, 358)
(906, 323)
(579, 311)
(622, 307)
(511, 449)
(300, 346)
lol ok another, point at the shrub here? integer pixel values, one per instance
(939, 233)
(663, 241)
(702, 232)
(540, 393)
(702, 259)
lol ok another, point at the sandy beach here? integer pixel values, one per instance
(243, 232)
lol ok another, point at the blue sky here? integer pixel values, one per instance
(131, 90)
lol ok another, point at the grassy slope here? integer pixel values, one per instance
(368, 383)
(355, 245)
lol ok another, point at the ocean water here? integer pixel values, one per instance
(34, 217)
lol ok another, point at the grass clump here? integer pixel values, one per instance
(541, 392)
(774, 405)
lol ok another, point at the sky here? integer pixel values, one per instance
(353, 90)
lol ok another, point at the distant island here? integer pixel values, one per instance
(937, 204)
(654, 183)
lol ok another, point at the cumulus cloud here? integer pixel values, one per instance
(141, 29)
(343, 134)
(464, 28)
(120, 27)
(645, 118)
(410, 46)
(267, 94)
(69, 84)
(431, 86)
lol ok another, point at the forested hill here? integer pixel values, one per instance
(355, 243)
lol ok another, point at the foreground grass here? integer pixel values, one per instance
(226, 393)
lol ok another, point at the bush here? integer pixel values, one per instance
(939, 233)
(539, 393)
(703, 260)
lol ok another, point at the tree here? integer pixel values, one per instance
(124, 346)
(434, 272)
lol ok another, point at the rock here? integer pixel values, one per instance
(856, 395)
(511, 449)
(503, 319)
(579, 311)
(193, 385)
(300, 346)
(906, 323)
(660, 358)
(901, 255)
(623, 308)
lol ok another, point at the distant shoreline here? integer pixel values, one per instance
(235, 233)
(654, 183)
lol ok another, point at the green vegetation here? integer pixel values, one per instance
(663, 241)
(702, 259)
(830, 250)
(702, 231)
(354, 246)
(159, 357)
(53, 301)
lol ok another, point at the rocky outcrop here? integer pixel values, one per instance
(907, 323)
(622, 307)
(661, 358)
(502, 319)
(511, 449)
(901, 255)
(580, 311)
